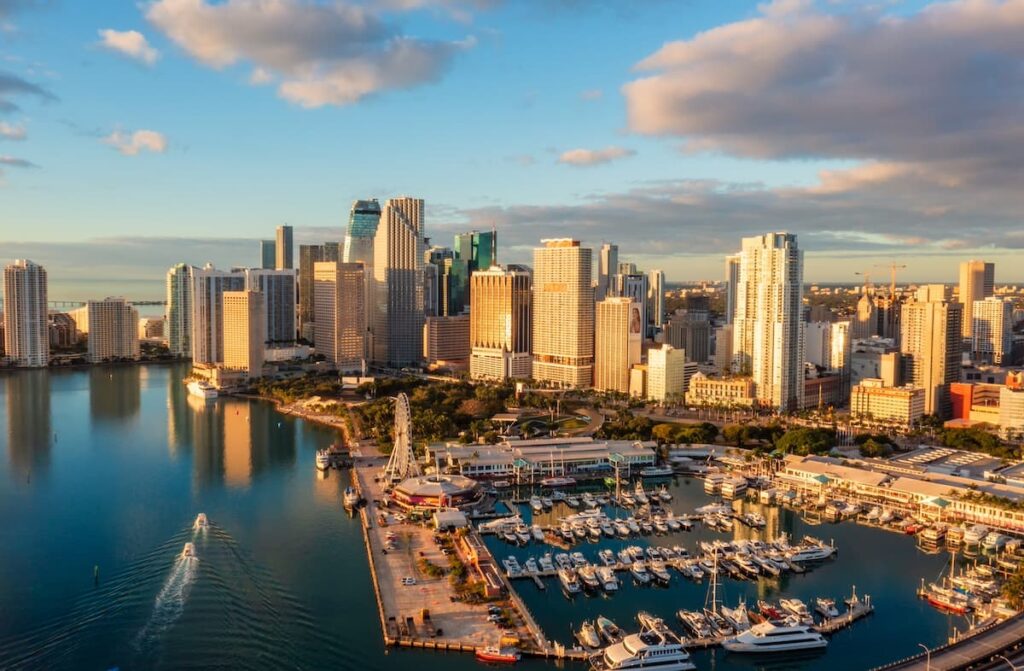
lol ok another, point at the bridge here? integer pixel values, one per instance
(990, 648)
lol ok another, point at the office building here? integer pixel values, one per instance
(607, 267)
(339, 325)
(308, 256)
(268, 254)
(278, 289)
(732, 283)
(563, 313)
(26, 324)
(634, 285)
(500, 324)
(668, 374)
(690, 332)
(656, 298)
(865, 318)
(283, 246)
(618, 337)
(450, 289)
(178, 312)
(398, 250)
(931, 346)
(245, 324)
(208, 287)
(992, 335)
(723, 349)
(113, 330)
(977, 282)
(446, 340)
(768, 335)
(478, 250)
(872, 400)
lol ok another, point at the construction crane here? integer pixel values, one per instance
(868, 288)
(893, 267)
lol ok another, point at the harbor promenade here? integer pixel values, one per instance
(974, 652)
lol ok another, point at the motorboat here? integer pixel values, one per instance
(501, 484)
(811, 553)
(588, 576)
(546, 564)
(633, 526)
(646, 527)
(639, 495)
(607, 557)
(558, 482)
(537, 532)
(201, 521)
(562, 560)
(719, 625)
(202, 389)
(664, 494)
(656, 472)
(770, 637)
(994, 541)
(587, 635)
(531, 566)
(609, 581)
(624, 557)
(607, 529)
(350, 499)
(189, 551)
(627, 499)
(511, 565)
(733, 487)
(546, 502)
(609, 630)
(578, 559)
(695, 623)
(659, 570)
(826, 607)
(572, 502)
(536, 505)
(323, 460)
(646, 650)
(738, 617)
(523, 534)
(661, 526)
(797, 608)
(673, 524)
(495, 654)
(639, 571)
(558, 496)
(620, 528)
(650, 622)
(570, 583)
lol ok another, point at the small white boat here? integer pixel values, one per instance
(572, 502)
(656, 472)
(570, 583)
(538, 533)
(323, 460)
(536, 505)
(609, 581)
(588, 576)
(639, 571)
(587, 635)
(826, 607)
(646, 650)
(201, 521)
(350, 499)
(189, 551)
(659, 570)
(546, 564)
(531, 565)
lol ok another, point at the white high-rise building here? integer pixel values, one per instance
(931, 346)
(732, 281)
(500, 324)
(563, 313)
(656, 298)
(178, 314)
(113, 330)
(208, 287)
(607, 267)
(668, 373)
(768, 336)
(26, 325)
(338, 314)
(245, 331)
(977, 282)
(992, 335)
(618, 336)
(398, 250)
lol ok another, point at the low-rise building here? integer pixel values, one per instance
(872, 400)
(720, 391)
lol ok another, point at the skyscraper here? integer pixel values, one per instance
(732, 282)
(656, 298)
(690, 332)
(208, 287)
(633, 284)
(977, 282)
(398, 250)
(113, 330)
(245, 324)
(308, 256)
(363, 220)
(268, 254)
(26, 334)
(607, 265)
(339, 327)
(618, 334)
(500, 324)
(563, 313)
(278, 289)
(768, 335)
(931, 346)
(178, 315)
(479, 250)
(992, 338)
(284, 259)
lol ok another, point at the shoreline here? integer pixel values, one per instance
(298, 409)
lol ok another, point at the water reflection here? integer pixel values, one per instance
(114, 392)
(29, 434)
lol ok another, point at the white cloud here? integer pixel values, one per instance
(13, 162)
(323, 53)
(130, 43)
(588, 157)
(131, 144)
(12, 132)
(591, 95)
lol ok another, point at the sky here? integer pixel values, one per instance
(134, 135)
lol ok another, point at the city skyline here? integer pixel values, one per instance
(599, 139)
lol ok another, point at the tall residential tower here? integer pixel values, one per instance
(563, 313)
(26, 327)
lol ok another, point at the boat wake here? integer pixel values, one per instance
(170, 602)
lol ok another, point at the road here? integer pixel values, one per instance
(977, 652)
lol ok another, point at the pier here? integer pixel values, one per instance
(855, 610)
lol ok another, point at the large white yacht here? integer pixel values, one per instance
(647, 650)
(202, 389)
(770, 637)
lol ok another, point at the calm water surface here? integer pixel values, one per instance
(108, 467)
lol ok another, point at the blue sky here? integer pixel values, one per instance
(541, 118)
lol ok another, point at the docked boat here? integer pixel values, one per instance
(737, 617)
(547, 502)
(656, 472)
(659, 570)
(661, 526)
(587, 635)
(201, 521)
(523, 534)
(189, 551)
(945, 598)
(607, 557)
(501, 484)
(609, 581)
(557, 482)
(826, 607)
(639, 495)
(664, 494)
(639, 571)
(646, 650)
(812, 553)
(323, 460)
(609, 630)
(494, 654)
(933, 534)
(695, 623)
(797, 608)
(512, 566)
(974, 535)
(546, 564)
(620, 528)
(536, 505)
(570, 583)
(633, 526)
(994, 541)
(202, 389)
(627, 499)
(588, 576)
(572, 502)
(719, 625)
(537, 532)
(350, 498)
(531, 566)
(770, 637)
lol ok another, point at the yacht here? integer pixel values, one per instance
(633, 526)
(640, 495)
(664, 494)
(640, 573)
(647, 650)
(656, 472)
(659, 571)
(546, 502)
(738, 617)
(202, 389)
(607, 557)
(572, 502)
(812, 553)
(695, 623)
(620, 528)
(523, 534)
(826, 607)
(627, 499)
(538, 533)
(189, 551)
(350, 497)
(609, 581)
(609, 630)
(771, 637)
(713, 483)
(569, 581)
(673, 524)
(546, 564)
(798, 608)
(588, 576)
(557, 482)
(323, 460)
(201, 521)
(733, 487)
(562, 560)
(587, 635)
(531, 565)
(512, 566)
(607, 529)
(994, 541)
(578, 559)
(660, 526)
(536, 505)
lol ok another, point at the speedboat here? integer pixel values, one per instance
(189, 551)
(770, 637)
(609, 630)
(826, 607)
(493, 653)
(587, 635)
(350, 498)
(646, 650)
(201, 521)
(323, 460)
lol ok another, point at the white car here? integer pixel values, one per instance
(407, 581)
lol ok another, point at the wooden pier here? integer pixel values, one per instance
(854, 611)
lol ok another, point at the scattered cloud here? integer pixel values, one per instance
(12, 162)
(12, 132)
(130, 43)
(131, 144)
(589, 157)
(12, 85)
(260, 76)
(591, 95)
(323, 54)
